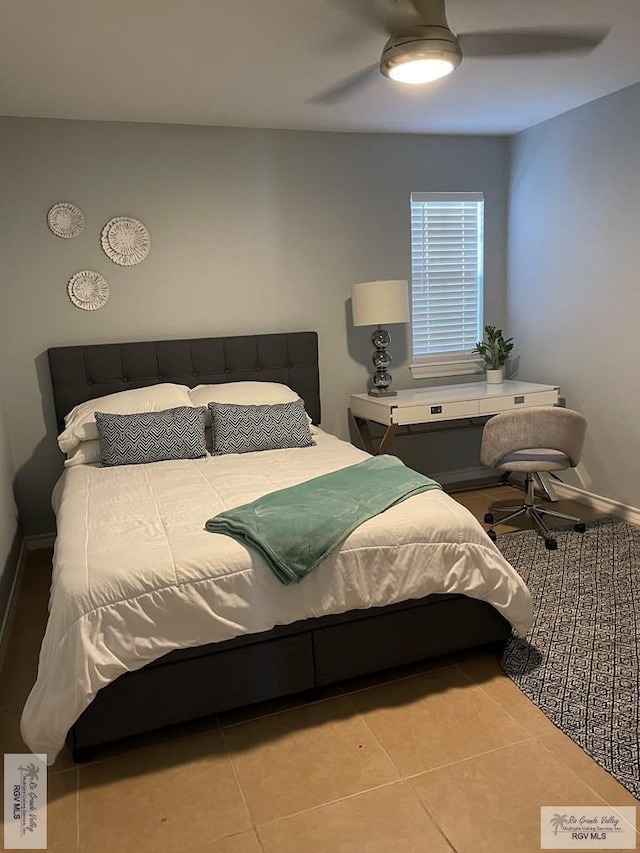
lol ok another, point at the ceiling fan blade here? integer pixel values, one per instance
(347, 87)
(537, 42)
(381, 15)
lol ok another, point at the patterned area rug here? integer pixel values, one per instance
(580, 661)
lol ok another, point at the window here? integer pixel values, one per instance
(447, 238)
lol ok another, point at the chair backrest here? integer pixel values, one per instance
(550, 427)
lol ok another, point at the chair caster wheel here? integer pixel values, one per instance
(580, 527)
(492, 535)
(550, 544)
(488, 518)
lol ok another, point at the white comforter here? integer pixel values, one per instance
(136, 575)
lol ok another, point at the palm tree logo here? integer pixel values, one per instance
(31, 771)
(557, 821)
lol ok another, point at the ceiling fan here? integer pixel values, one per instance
(422, 47)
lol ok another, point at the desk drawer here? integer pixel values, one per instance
(493, 405)
(428, 412)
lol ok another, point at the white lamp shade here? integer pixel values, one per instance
(377, 303)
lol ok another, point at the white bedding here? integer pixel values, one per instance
(136, 575)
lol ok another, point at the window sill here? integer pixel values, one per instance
(440, 367)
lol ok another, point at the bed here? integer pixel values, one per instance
(104, 679)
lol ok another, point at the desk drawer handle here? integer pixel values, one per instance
(436, 410)
(517, 400)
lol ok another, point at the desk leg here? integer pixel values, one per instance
(367, 441)
(365, 434)
(387, 438)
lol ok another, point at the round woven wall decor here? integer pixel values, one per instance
(125, 241)
(88, 290)
(66, 220)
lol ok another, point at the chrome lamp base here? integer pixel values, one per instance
(381, 359)
(377, 392)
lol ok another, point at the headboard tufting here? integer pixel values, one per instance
(80, 373)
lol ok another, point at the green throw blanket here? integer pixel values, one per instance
(295, 529)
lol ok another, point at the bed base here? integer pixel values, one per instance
(189, 684)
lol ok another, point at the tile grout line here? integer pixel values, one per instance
(467, 758)
(500, 705)
(328, 803)
(402, 782)
(451, 763)
(256, 826)
(373, 735)
(256, 835)
(403, 778)
(432, 818)
(573, 772)
(237, 778)
(252, 831)
(577, 776)
(536, 738)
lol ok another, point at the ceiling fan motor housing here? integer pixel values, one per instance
(424, 42)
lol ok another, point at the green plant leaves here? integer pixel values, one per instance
(495, 350)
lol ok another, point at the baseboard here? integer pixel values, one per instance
(624, 512)
(607, 506)
(42, 540)
(464, 475)
(17, 558)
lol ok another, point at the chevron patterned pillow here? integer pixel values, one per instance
(245, 429)
(151, 436)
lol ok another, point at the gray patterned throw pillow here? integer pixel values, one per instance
(246, 429)
(151, 436)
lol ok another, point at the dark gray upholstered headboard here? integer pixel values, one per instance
(82, 373)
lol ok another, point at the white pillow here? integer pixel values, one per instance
(86, 453)
(242, 394)
(80, 423)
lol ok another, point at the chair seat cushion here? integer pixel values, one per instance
(535, 459)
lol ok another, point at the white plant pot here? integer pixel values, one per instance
(495, 377)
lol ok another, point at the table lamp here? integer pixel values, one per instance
(372, 304)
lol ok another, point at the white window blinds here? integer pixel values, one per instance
(447, 236)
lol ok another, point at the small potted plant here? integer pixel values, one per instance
(495, 350)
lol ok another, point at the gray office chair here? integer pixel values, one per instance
(545, 438)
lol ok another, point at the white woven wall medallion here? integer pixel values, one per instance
(88, 290)
(125, 241)
(66, 220)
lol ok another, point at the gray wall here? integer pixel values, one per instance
(251, 231)
(574, 293)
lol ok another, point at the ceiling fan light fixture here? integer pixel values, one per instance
(417, 71)
(425, 56)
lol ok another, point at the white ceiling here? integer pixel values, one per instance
(257, 63)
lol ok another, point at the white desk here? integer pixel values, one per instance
(444, 403)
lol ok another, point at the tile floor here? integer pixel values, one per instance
(437, 757)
